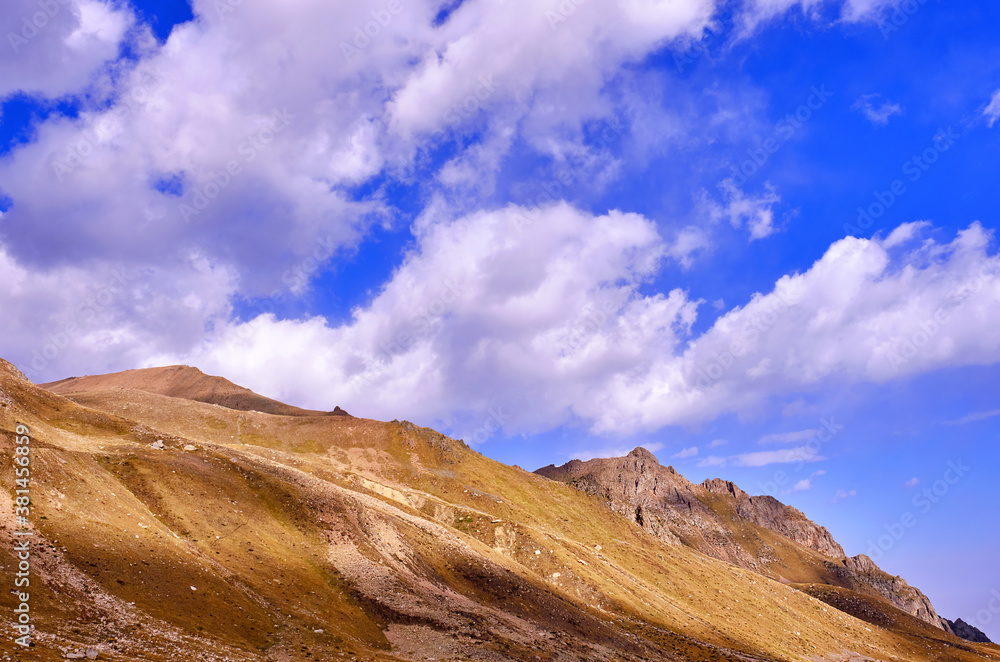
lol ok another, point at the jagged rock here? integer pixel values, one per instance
(968, 632)
(721, 520)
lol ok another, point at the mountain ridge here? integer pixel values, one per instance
(713, 517)
(185, 382)
(167, 529)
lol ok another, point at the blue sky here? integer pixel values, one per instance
(529, 229)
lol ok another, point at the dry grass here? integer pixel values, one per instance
(318, 538)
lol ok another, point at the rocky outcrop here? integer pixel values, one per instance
(721, 520)
(702, 516)
(768, 512)
(863, 570)
(968, 632)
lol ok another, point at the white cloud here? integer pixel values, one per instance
(58, 47)
(905, 233)
(546, 306)
(755, 212)
(869, 10)
(687, 244)
(992, 111)
(760, 11)
(806, 483)
(784, 456)
(686, 453)
(718, 442)
(976, 417)
(910, 484)
(877, 110)
(788, 437)
(843, 494)
(222, 91)
(796, 455)
(553, 315)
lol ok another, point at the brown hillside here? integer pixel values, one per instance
(181, 381)
(250, 536)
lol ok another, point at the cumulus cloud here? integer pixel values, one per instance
(910, 484)
(876, 109)
(806, 483)
(58, 47)
(246, 137)
(550, 309)
(756, 212)
(686, 453)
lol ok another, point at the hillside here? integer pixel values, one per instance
(253, 536)
(181, 381)
(719, 519)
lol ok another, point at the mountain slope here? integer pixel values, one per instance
(181, 381)
(721, 520)
(251, 536)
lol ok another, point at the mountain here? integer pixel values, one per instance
(166, 528)
(755, 532)
(181, 381)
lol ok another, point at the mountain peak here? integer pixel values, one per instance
(641, 453)
(185, 382)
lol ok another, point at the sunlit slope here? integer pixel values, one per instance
(296, 538)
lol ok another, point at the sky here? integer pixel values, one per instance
(757, 237)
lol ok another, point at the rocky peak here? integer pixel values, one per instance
(8, 369)
(968, 632)
(719, 486)
(861, 563)
(642, 455)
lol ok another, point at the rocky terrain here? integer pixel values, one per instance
(719, 519)
(171, 528)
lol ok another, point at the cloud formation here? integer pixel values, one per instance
(507, 296)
